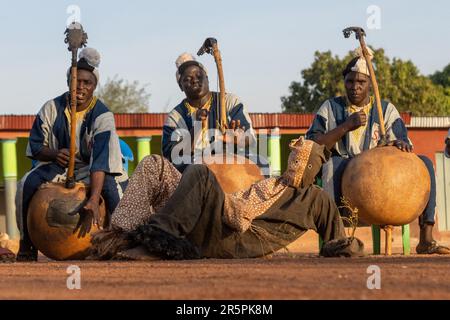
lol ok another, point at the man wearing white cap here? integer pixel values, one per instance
(349, 125)
(201, 105)
(98, 160)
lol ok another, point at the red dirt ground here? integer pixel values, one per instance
(300, 274)
(281, 277)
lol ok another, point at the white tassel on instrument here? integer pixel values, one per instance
(91, 56)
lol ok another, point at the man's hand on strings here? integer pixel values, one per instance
(89, 216)
(235, 133)
(402, 145)
(62, 158)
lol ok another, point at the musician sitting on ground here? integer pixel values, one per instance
(98, 156)
(349, 125)
(179, 133)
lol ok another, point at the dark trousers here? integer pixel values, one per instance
(195, 212)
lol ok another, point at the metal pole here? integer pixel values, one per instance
(9, 162)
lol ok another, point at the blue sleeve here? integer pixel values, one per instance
(238, 113)
(106, 155)
(400, 131)
(37, 138)
(318, 126)
(167, 144)
(100, 152)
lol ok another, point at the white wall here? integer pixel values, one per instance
(2, 211)
(443, 191)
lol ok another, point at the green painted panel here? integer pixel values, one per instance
(23, 162)
(9, 158)
(405, 240)
(155, 147)
(275, 155)
(144, 148)
(376, 239)
(2, 181)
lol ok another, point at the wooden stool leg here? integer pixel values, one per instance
(376, 239)
(388, 242)
(405, 239)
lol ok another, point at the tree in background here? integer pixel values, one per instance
(123, 97)
(442, 78)
(399, 82)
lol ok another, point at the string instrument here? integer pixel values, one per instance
(233, 172)
(53, 222)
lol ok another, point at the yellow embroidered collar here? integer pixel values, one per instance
(358, 133)
(192, 109)
(80, 114)
(352, 108)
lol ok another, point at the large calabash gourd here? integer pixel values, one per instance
(233, 172)
(388, 186)
(50, 226)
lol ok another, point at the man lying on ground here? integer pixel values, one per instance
(164, 215)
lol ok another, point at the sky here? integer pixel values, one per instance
(264, 44)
